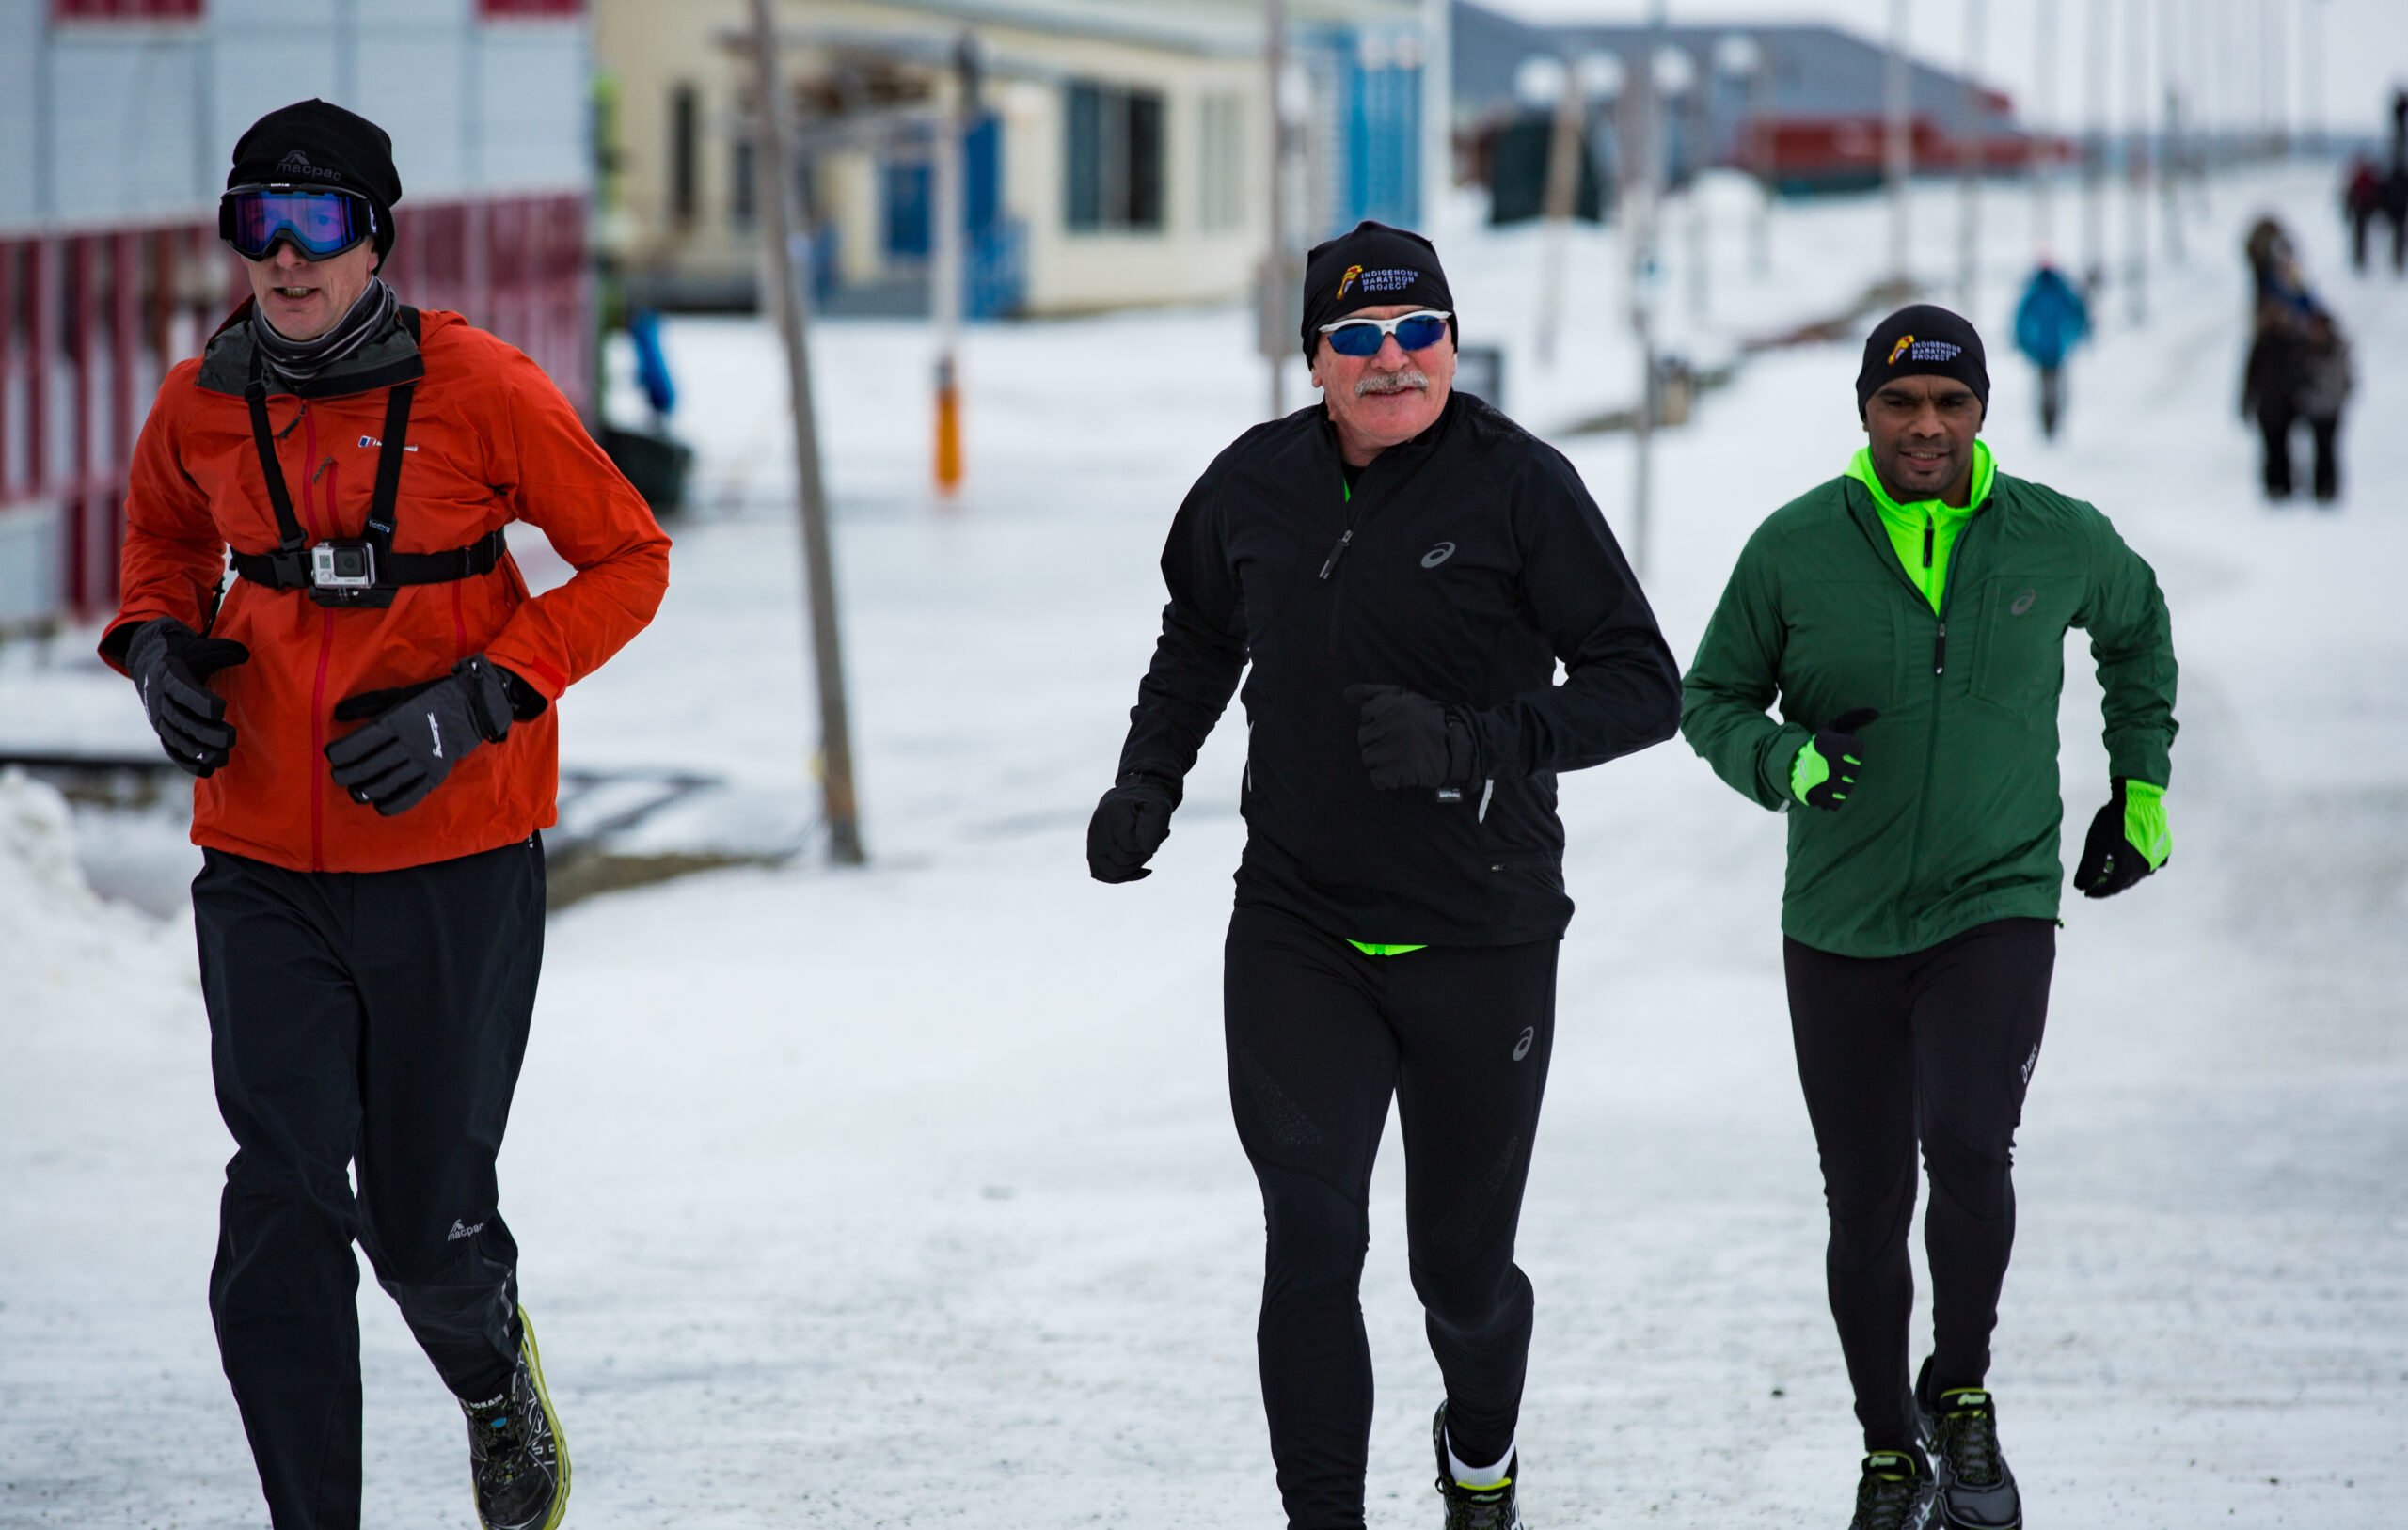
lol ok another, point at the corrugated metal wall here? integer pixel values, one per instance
(111, 122)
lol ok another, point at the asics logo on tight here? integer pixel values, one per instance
(1522, 1046)
(1438, 555)
(2030, 1063)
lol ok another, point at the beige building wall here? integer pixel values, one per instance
(1191, 52)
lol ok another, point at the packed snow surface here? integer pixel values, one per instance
(907, 1196)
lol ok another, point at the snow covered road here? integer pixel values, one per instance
(908, 1197)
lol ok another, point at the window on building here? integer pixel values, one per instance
(742, 191)
(1113, 149)
(684, 115)
(1222, 173)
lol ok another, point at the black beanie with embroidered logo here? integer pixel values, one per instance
(1372, 266)
(316, 143)
(1922, 340)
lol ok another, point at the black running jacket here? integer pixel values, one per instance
(1466, 562)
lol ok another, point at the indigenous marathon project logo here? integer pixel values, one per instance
(1915, 350)
(1393, 280)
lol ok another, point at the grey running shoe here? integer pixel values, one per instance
(517, 1462)
(1474, 1508)
(1894, 1492)
(1960, 1429)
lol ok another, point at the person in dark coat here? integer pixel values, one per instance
(2271, 386)
(1396, 571)
(2395, 207)
(2361, 199)
(2326, 378)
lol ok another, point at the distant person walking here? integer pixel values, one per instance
(2299, 370)
(2361, 200)
(2051, 319)
(1908, 620)
(2275, 387)
(1397, 571)
(2394, 208)
(368, 708)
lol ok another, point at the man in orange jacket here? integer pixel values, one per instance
(367, 710)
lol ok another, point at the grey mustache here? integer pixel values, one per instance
(1392, 382)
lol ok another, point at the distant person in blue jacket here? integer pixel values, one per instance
(2049, 319)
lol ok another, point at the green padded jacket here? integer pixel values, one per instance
(1955, 814)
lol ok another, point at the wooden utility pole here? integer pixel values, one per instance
(1564, 153)
(811, 495)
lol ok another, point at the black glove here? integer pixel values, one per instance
(419, 732)
(1409, 740)
(171, 665)
(1843, 755)
(2109, 860)
(1130, 825)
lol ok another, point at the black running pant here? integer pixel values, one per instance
(375, 1018)
(1937, 1047)
(1320, 1036)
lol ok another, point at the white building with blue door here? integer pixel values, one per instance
(1118, 154)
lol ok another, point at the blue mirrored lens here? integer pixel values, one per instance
(319, 222)
(1421, 332)
(1357, 340)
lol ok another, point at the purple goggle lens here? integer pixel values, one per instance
(319, 222)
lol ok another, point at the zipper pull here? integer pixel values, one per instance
(323, 463)
(1338, 552)
(299, 415)
(1939, 650)
(1927, 529)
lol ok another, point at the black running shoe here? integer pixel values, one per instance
(1474, 1508)
(1893, 1493)
(518, 1461)
(1960, 1429)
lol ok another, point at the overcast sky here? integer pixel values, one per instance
(2217, 49)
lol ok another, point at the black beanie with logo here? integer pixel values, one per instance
(316, 143)
(1372, 266)
(1922, 340)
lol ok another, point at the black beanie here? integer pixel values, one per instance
(1922, 340)
(315, 143)
(1373, 266)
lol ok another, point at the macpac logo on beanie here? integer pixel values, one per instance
(298, 163)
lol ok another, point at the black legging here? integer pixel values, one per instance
(1319, 1036)
(1938, 1046)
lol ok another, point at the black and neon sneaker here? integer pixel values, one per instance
(1960, 1429)
(1894, 1492)
(1490, 1507)
(517, 1459)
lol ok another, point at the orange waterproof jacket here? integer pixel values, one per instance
(490, 441)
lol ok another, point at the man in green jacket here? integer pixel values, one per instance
(1909, 617)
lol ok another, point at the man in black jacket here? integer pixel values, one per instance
(1402, 567)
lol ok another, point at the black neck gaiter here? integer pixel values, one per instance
(298, 361)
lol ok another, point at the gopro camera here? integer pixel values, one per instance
(342, 565)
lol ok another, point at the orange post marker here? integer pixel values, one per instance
(948, 428)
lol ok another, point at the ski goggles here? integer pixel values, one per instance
(320, 224)
(1363, 337)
